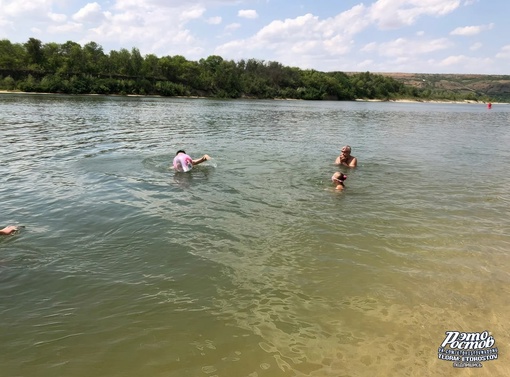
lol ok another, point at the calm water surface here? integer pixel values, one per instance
(250, 265)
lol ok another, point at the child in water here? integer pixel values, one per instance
(338, 180)
(9, 229)
(183, 163)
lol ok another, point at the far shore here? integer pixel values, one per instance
(468, 102)
(195, 97)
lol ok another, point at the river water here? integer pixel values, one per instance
(250, 264)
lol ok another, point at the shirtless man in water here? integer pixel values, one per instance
(345, 158)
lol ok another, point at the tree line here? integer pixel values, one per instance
(74, 69)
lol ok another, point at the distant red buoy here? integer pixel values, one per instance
(489, 105)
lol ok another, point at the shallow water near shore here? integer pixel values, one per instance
(250, 264)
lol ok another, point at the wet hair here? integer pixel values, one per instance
(340, 177)
(180, 151)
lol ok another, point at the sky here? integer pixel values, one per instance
(414, 36)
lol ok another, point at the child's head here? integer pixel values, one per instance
(338, 177)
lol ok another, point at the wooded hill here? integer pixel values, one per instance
(74, 69)
(496, 87)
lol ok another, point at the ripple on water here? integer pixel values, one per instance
(250, 264)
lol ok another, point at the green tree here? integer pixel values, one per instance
(120, 62)
(69, 68)
(94, 58)
(72, 58)
(8, 83)
(150, 67)
(53, 58)
(12, 55)
(35, 56)
(29, 84)
(135, 63)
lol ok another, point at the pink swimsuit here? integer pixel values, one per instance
(183, 162)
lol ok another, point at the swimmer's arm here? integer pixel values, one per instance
(8, 229)
(340, 161)
(204, 158)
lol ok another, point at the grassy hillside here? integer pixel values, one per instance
(493, 86)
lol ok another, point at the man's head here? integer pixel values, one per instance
(346, 150)
(180, 151)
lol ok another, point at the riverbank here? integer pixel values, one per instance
(467, 102)
(289, 99)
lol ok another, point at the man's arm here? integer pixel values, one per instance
(353, 163)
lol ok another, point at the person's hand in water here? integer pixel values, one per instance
(204, 158)
(9, 229)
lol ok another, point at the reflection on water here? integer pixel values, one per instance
(249, 265)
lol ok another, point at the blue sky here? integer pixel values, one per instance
(416, 36)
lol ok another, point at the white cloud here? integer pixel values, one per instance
(332, 42)
(4, 24)
(70, 27)
(289, 30)
(34, 10)
(248, 13)
(407, 47)
(303, 40)
(475, 46)
(153, 26)
(13, 8)
(369, 47)
(453, 60)
(191, 13)
(349, 22)
(233, 26)
(337, 45)
(471, 30)
(393, 14)
(57, 17)
(504, 52)
(214, 20)
(458, 61)
(89, 13)
(466, 30)
(365, 65)
(236, 49)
